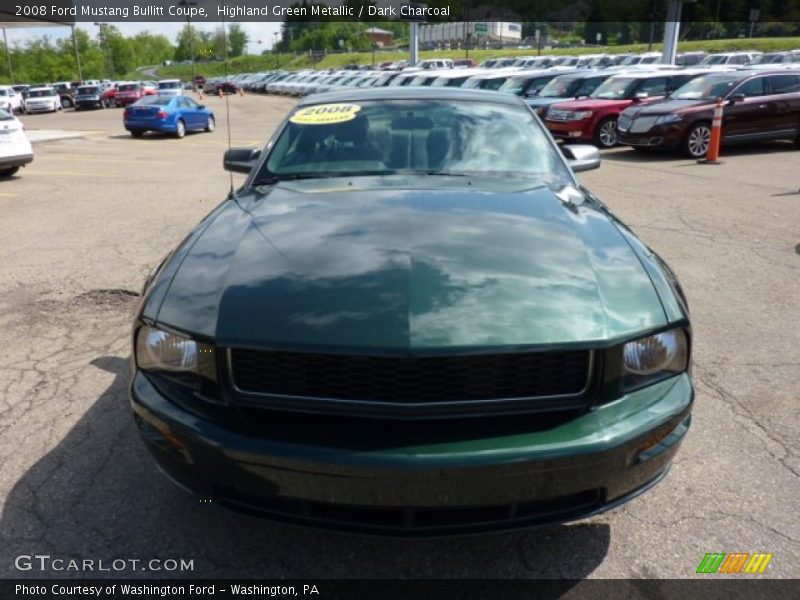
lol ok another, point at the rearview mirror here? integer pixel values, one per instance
(240, 160)
(581, 157)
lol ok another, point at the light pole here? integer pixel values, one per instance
(77, 54)
(373, 46)
(275, 35)
(8, 56)
(187, 3)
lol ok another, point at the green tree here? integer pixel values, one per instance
(237, 39)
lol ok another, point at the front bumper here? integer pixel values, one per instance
(658, 136)
(571, 130)
(88, 102)
(486, 481)
(41, 108)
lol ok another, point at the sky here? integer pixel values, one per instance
(263, 31)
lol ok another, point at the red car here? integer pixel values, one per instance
(594, 119)
(128, 93)
(109, 95)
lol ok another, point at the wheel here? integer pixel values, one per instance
(137, 132)
(697, 141)
(606, 136)
(8, 172)
(210, 124)
(180, 128)
(66, 103)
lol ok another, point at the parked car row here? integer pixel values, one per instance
(83, 95)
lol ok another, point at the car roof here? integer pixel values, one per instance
(411, 93)
(40, 87)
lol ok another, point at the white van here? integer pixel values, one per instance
(170, 87)
(436, 63)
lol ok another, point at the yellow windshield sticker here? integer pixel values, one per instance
(324, 114)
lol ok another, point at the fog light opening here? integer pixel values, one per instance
(159, 434)
(661, 441)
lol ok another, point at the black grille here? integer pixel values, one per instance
(416, 521)
(408, 379)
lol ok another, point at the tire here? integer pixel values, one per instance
(606, 135)
(180, 128)
(696, 142)
(66, 103)
(211, 124)
(137, 133)
(8, 172)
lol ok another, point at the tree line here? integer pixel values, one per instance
(110, 54)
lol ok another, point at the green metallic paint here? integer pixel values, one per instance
(379, 266)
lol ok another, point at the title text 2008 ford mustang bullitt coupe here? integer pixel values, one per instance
(412, 319)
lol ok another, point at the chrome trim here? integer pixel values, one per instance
(229, 368)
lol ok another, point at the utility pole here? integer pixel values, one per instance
(187, 3)
(8, 57)
(108, 62)
(414, 44)
(77, 53)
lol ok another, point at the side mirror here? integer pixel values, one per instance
(240, 160)
(201, 106)
(736, 98)
(581, 157)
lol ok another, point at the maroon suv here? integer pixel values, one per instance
(759, 105)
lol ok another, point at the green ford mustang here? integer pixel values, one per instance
(413, 320)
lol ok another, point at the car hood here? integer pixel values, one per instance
(335, 264)
(662, 107)
(536, 102)
(591, 104)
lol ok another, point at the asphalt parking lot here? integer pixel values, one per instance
(81, 227)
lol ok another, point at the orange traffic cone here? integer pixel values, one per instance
(712, 156)
(241, 92)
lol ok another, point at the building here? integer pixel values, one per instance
(380, 37)
(476, 33)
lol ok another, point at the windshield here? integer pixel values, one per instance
(41, 93)
(714, 59)
(129, 87)
(769, 59)
(413, 137)
(707, 87)
(169, 85)
(528, 85)
(88, 90)
(616, 88)
(3, 92)
(560, 87)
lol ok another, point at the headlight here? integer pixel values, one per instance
(655, 357)
(667, 119)
(579, 115)
(158, 350)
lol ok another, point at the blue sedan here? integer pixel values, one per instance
(168, 114)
